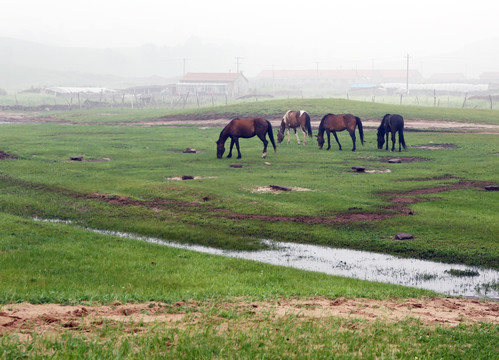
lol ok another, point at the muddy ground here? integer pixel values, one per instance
(59, 318)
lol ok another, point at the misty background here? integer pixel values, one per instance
(119, 44)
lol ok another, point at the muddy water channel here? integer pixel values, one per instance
(450, 279)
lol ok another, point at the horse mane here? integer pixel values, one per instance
(283, 125)
(321, 125)
(381, 128)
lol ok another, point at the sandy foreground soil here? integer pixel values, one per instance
(60, 318)
(430, 311)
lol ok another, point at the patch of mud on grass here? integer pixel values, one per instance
(57, 318)
(4, 155)
(180, 178)
(404, 159)
(273, 190)
(435, 146)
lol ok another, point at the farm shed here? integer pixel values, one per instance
(64, 90)
(229, 84)
(491, 78)
(86, 96)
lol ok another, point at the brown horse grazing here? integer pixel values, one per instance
(244, 128)
(294, 119)
(331, 123)
(391, 123)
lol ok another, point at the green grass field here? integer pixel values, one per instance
(126, 185)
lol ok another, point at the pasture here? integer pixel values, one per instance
(129, 179)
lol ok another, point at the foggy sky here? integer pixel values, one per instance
(296, 34)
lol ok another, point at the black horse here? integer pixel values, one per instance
(391, 123)
(244, 128)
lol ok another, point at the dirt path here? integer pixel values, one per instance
(26, 118)
(60, 318)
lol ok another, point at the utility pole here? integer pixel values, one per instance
(273, 80)
(238, 62)
(407, 77)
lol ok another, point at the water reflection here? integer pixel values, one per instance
(357, 264)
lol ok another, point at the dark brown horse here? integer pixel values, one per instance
(331, 123)
(295, 119)
(244, 128)
(391, 123)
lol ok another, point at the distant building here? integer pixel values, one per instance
(491, 78)
(228, 84)
(67, 90)
(331, 79)
(440, 78)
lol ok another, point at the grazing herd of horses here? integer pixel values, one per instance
(330, 123)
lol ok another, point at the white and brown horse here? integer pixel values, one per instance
(292, 120)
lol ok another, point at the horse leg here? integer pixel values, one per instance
(265, 143)
(297, 137)
(229, 155)
(393, 140)
(329, 140)
(304, 136)
(336, 137)
(352, 135)
(237, 147)
(387, 134)
(289, 138)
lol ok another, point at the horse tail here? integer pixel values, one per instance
(271, 134)
(401, 137)
(361, 130)
(307, 124)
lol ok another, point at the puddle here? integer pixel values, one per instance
(354, 264)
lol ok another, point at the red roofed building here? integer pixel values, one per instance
(229, 84)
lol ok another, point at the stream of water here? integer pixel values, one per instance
(362, 265)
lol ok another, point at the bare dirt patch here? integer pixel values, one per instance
(274, 190)
(403, 159)
(397, 205)
(435, 146)
(180, 178)
(57, 318)
(209, 119)
(4, 155)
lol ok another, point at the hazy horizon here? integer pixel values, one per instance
(252, 35)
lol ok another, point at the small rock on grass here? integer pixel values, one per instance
(404, 236)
